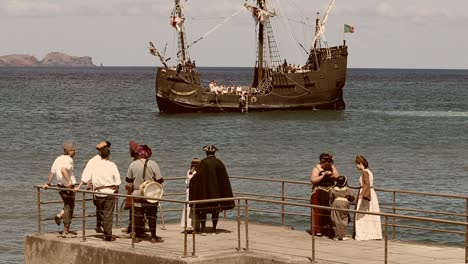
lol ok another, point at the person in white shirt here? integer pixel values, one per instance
(62, 169)
(86, 172)
(105, 178)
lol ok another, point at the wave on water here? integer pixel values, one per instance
(425, 113)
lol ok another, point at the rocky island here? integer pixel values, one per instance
(51, 59)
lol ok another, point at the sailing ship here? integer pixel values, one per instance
(276, 85)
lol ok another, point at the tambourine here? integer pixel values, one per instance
(151, 189)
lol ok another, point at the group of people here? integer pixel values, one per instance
(330, 188)
(100, 174)
(207, 179)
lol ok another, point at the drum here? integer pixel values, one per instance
(151, 189)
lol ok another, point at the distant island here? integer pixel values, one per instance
(51, 59)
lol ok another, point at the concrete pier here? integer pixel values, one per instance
(266, 244)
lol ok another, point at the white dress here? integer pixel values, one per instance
(368, 226)
(186, 210)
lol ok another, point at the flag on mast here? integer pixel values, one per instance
(349, 28)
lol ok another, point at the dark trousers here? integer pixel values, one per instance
(98, 216)
(150, 210)
(68, 198)
(105, 210)
(200, 219)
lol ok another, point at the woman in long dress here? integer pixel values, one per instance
(322, 177)
(367, 226)
(186, 211)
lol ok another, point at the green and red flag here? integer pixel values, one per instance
(349, 28)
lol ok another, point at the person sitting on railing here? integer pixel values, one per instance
(340, 197)
(106, 180)
(210, 182)
(322, 177)
(62, 169)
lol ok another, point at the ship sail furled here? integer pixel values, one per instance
(268, 56)
(320, 30)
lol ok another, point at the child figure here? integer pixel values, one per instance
(340, 197)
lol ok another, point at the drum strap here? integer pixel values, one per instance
(144, 170)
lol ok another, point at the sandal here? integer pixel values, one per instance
(68, 235)
(157, 240)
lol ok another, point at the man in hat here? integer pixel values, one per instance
(87, 170)
(62, 169)
(133, 151)
(210, 182)
(105, 178)
(139, 171)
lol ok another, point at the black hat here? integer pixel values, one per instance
(341, 181)
(210, 148)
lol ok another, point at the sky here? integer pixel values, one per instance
(429, 34)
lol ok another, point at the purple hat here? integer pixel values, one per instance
(144, 151)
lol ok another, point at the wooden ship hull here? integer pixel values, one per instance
(317, 84)
(178, 92)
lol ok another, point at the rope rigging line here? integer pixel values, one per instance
(290, 31)
(215, 28)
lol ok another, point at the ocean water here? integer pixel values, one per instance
(411, 125)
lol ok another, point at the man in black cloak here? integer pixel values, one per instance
(210, 182)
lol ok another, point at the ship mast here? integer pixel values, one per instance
(259, 74)
(177, 21)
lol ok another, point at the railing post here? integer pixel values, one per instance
(185, 214)
(133, 222)
(39, 212)
(282, 205)
(312, 232)
(162, 216)
(386, 239)
(466, 232)
(83, 214)
(195, 229)
(246, 225)
(393, 218)
(238, 225)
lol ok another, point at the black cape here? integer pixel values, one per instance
(210, 182)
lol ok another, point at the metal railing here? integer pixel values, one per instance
(284, 201)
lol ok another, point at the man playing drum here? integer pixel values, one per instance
(140, 171)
